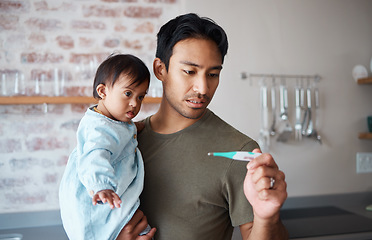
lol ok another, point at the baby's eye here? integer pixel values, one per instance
(141, 98)
(127, 93)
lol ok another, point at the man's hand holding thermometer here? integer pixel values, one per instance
(264, 186)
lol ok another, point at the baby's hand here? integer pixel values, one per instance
(108, 196)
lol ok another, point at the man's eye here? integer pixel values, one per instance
(189, 72)
(128, 94)
(213, 75)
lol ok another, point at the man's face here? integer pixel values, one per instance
(192, 77)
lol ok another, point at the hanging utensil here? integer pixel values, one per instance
(264, 139)
(315, 131)
(273, 108)
(305, 116)
(310, 127)
(298, 126)
(286, 128)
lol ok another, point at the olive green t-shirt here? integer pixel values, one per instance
(187, 194)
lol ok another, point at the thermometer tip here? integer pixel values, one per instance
(210, 154)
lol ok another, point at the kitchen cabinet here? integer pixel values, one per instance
(365, 135)
(17, 100)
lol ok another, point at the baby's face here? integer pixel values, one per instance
(123, 100)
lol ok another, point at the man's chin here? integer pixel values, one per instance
(195, 113)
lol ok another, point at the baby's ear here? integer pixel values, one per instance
(101, 91)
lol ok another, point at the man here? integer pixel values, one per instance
(188, 194)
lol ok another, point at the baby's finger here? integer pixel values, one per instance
(109, 200)
(116, 200)
(94, 200)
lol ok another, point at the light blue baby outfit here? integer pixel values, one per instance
(106, 157)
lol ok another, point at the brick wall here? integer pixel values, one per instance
(48, 42)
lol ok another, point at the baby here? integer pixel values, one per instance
(106, 166)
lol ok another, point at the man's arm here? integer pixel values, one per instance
(268, 231)
(273, 231)
(266, 201)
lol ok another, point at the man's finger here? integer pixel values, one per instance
(265, 159)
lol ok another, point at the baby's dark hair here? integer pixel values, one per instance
(116, 65)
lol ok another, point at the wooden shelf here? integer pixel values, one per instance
(17, 100)
(365, 80)
(368, 80)
(365, 135)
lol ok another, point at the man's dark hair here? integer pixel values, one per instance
(116, 65)
(188, 26)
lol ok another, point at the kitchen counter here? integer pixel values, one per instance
(35, 233)
(317, 217)
(342, 216)
(304, 217)
(32, 226)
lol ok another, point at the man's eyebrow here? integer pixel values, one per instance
(219, 67)
(190, 63)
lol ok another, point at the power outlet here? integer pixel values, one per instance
(363, 162)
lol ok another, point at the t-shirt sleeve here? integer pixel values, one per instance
(240, 209)
(250, 146)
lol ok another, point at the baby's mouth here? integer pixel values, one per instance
(130, 114)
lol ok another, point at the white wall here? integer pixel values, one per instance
(300, 37)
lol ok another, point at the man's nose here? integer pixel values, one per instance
(201, 84)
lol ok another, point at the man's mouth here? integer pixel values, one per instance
(193, 101)
(196, 103)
